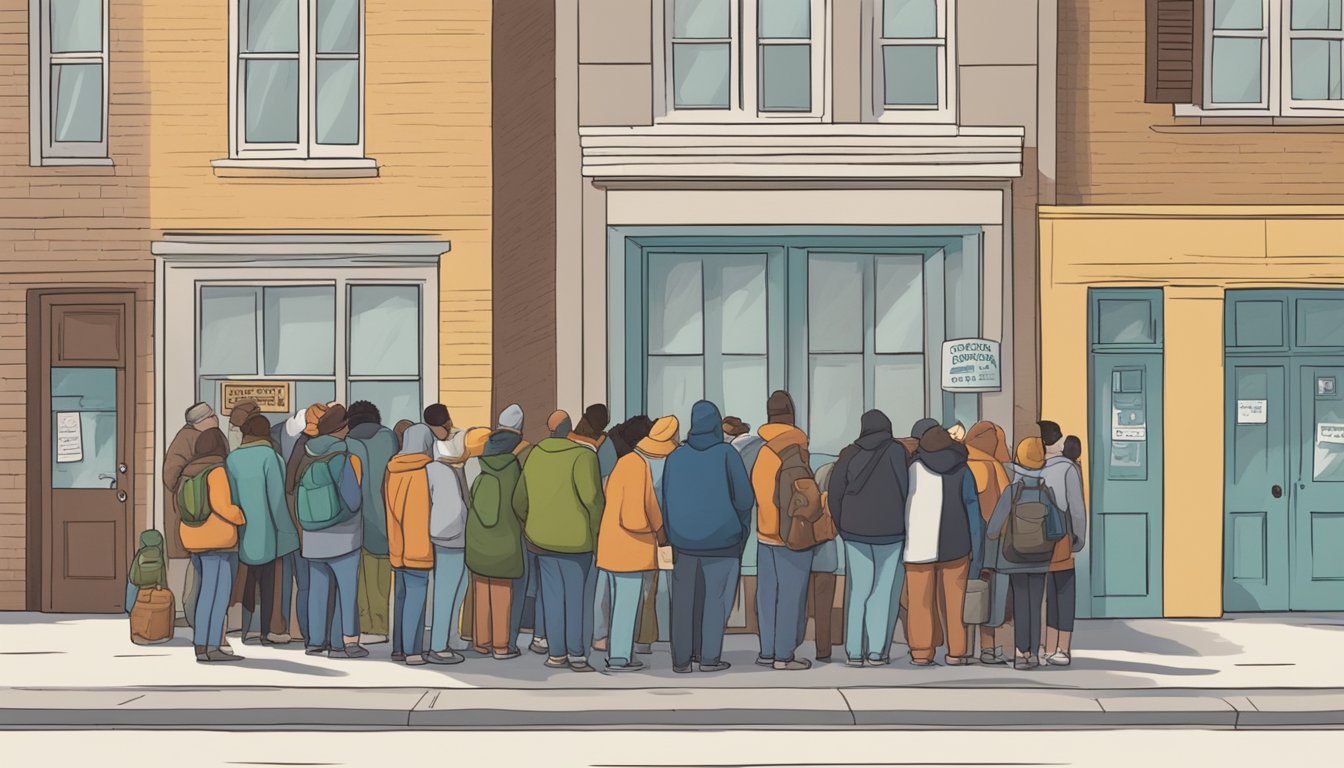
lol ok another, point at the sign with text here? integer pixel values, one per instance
(270, 396)
(1252, 411)
(1330, 433)
(971, 365)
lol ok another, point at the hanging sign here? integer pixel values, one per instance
(69, 438)
(1252, 411)
(270, 396)
(972, 365)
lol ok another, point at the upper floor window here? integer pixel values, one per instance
(742, 59)
(913, 56)
(68, 76)
(297, 79)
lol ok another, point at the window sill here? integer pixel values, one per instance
(296, 168)
(1250, 125)
(67, 162)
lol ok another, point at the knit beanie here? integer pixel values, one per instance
(312, 416)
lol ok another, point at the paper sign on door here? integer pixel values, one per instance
(1330, 433)
(1252, 411)
(69, 438)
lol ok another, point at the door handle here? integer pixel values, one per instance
(1276, 492)
(121, 496)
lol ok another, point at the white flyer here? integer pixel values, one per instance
(1252, 411)
(69, 438)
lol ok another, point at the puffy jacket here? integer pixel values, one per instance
(707, 494)
(560, 497)
(764, 475)
(871, 509)
(219, 532)
(494, 527)
(406, 497)
(628, 541)
(257, 484)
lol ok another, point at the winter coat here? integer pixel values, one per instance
(219, 532)
(628, 541)
(344, 537)
(406, 498)
(447, 505)
(994, 559)
(560, 497)
(942, 519)
(987, 451)
(1065, 481)
(375, 445)
(873, 513)
(257, 483)
(494, 526)
(764, 474)
(175, 459)
(707, 493)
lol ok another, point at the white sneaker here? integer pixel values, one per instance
(1059, 659)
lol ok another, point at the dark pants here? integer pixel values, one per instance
(719, 576)
(1028, 593)
(821, 601)
(527, 593)
(263, 577)
(1060, 603)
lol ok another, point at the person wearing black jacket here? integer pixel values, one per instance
(866, 494)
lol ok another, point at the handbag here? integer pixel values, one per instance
(976, 608)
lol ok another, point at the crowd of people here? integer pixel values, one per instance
(370, 534)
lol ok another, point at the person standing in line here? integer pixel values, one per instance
(242, 411)
(208, 522)
(782, 574)
(250, 576)
(987, 456)
(448, 533)
(748, 445)
(707, 499)
(406, 496)
(591, 432)
(1025, 579)
(558, 425)
(296, 570)
(494, 538)
(821, 583)
(1064, 478)
(374, 445)
(199, 418)
(867, 494)
(257, 483)
(632, 527)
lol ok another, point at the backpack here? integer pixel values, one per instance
(147, 567)
(1034, 525)
(319, 504)
(803, 521)
(487, 496)
(193, 498)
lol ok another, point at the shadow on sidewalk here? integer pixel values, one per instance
(1159, 637)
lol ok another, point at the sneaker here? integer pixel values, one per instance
(993, 656)
(823, 659)
(539, 646)
(416, 661)
(1059, 659)
(624, 665)
(317, 650)
(959, 661)
(444, 658)
(644, 649)
(792, 665)
(373, 639)
(398, 656)
(512, 653)
(226, 650)
(718, 667)
(277, 638)
(251, 639)
(1024, 663)
(580, 665)
(214, 654)
(765, 661)
(853, 662)
(355, 651)
(876, 661)
(686, 670)
(202, 653)
(557, 662)
(921, 662)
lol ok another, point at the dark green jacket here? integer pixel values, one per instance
(560, 498)
(494, 526)
(375, 445)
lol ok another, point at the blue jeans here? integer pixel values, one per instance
(718, 575)
(563, 580)
(597, 597)
(525, 586)
(781, 599)
(450, 589)
(217, 570)
(623, 593)
(873, 578)
(295, 570)
(333, 620)
(408, 621)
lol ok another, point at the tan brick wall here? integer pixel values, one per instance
(1114, 148)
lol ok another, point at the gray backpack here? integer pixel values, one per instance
(1029, 535)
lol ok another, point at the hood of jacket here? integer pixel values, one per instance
(496, 462)
(706, 426)
(790, 434)
(940, 453)
(501, 442)
(408, 462)
(558, 445)
(874, 430)
(988, 439)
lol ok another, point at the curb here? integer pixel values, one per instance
(671, 708)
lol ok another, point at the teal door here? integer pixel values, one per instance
(1318, 514)
(1255, 535)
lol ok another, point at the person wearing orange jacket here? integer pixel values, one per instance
(987, 449)
(213, 544)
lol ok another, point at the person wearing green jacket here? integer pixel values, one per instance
(495, 544)
(562, 481)
(375, 445)
(257, 484)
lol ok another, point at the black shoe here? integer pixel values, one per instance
(317, 650)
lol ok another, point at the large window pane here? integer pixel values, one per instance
(898, 390)
(786, 78)
(337, 26)
(83, 427)
(676, 306)
(1316, 70)
(1236, 70)
(1124, 321)
(910, 75)
(835, 304)
(272, 26)
(1316, 14)
(909, 18)
(745, 388)
(271, 96)
(337, 101)
(300, 330)
(700, 19)
(76, 26)
(899, 295)
(1320, 323)
(785, 19)
(1258, 324)
(744, 308)
(77, 111)
(700, 73)
(396, 400)
(675, 384)
(228, 340)
(835, 401)
(385, 330)
(1238, 14)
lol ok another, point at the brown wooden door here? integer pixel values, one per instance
(84, 424)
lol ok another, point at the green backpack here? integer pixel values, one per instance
(319, 495)
(193, 499)
(148, 568)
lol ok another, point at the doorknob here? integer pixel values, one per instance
(121, 496)
(121, 468)
(1276, 491)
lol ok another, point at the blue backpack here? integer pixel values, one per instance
(319, 504)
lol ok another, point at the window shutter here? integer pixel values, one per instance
(1174, 52)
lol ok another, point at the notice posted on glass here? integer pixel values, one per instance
(69, 438)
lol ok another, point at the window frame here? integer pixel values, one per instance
(43, 148)
(744, 70)
(874, 73)
(307, 146)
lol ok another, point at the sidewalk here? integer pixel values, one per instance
(1247, 672)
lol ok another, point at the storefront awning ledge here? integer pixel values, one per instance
(290, 247)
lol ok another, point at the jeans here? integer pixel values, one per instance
(781, 599)
(1028, 592)
(408, 628)
(563, 579)
(1060, 602)
(450, 589)
(217, 571)
(331, 621)
(295, 570)
(624, 591)
(719, 575)
(375, 592)
(527, 585)
(597, 596)
(872, 593)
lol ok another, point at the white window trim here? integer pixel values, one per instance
(306, 147)
(744, 86)
(42, 149)
(873, 74)
(1276, 71)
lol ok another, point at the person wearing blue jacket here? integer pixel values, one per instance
(707, 515)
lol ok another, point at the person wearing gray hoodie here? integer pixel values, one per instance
(448, 534)
(1065, 481)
